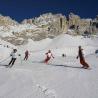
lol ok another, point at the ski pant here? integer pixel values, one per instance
(12, 61)
(84, 63)
(47, 59)
(26, 57)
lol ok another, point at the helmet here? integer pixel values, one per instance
(49, 50)
(15, 50)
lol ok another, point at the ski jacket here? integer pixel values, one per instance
(49, 55)
(27, 53)
(14, 55)
(80, 55)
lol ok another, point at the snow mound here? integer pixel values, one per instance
(66, 40)
(36, 45)
(69, 45)
(63, 43)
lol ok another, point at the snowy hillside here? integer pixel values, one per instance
(63, 43)
(17, 83)
(61, 78)
(69, 44)
(5, 49)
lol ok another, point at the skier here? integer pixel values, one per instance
(63, 55)
(48, 56)
(96, 52)
(82, 60)
(14, 57)
(26, 55)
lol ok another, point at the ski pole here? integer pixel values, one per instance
(21, 59)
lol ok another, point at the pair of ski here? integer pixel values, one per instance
(7, 66)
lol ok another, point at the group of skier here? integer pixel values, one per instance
(84, 64)
(14, 57)
(49, 55)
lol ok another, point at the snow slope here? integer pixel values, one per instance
(61, 78)
(69, 44)
(5, 49)
(17, 83)
(35, 45)
(64, 43)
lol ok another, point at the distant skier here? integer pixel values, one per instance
(96, 52)
(48, 56)
(82, 60)
(14, 57)
(63, 55)
(26, 55)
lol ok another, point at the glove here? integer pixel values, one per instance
(19, 54)
(10, 54)
(53, 57)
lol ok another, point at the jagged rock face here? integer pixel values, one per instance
(50, 26)
(94, 24)
(77, 24)
(46, 26)
(58, 23)
(73, 19)
(15, 40)
(50, 21)
(6, 20)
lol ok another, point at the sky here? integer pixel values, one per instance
(25, 9)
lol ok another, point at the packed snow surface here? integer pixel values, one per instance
(61, 78)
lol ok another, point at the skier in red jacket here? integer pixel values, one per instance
(82, 60)
(48, 56)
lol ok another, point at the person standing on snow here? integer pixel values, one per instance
(63, 55)
(82, 60)
(26, 55)
(96, 52)
(48, 56)
(14, 57)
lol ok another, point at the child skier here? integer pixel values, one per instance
(82, 60)
(48, 56)
(26, 55)
(14, 57)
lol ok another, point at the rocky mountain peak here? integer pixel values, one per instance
(6, 20)
(47, 25)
